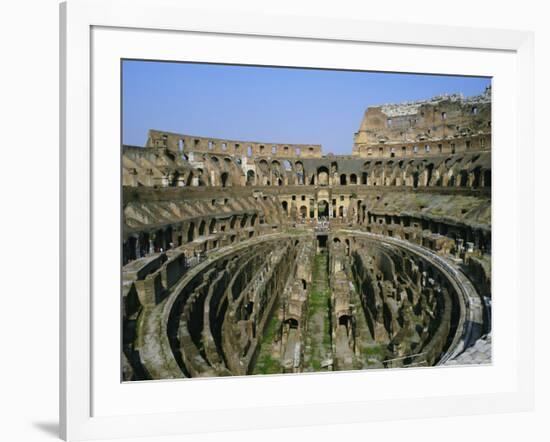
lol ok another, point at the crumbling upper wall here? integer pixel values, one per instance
(190, 143)
(443, 124)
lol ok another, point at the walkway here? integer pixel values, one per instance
(318, 354)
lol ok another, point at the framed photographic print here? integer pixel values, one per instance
(326, 221)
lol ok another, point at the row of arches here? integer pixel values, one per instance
(148, 169)
(145, 243)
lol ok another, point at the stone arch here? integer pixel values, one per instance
(322, 176)
(415, 177)
(299, 169)
(429, 173)
(202, 228)
(191, 232)
(224, 177)
(212, 225)
(284, 205)
(463, 178)
(250, 178)
(476, 182)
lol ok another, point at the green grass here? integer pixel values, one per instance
(319, 295)
(318, 304)
(266, 364)
(377, 351)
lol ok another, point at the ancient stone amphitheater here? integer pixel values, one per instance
(247, 257)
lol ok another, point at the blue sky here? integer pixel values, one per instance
(278, 105)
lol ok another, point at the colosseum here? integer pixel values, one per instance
(250, 257)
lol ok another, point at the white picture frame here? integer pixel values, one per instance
(89, 402)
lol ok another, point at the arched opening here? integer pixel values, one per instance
(343, 180)
(365, 178)
(191, 232)
(429, 174)
(200, 181)
(250, 178)
(285, 207)
(353, 179)
(477, 178)
(415, 179)
(303, 212)
(322, 209)
(132, 248)
(175, 179)
(322, 176)
(212, 226)
(344, 320)
(299, 168)
(224, 177)
(341, 211)
(292, 323)
(463, 178)
(202, 227)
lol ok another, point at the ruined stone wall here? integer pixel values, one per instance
(447, 124)
(189, 143)
(408, 304)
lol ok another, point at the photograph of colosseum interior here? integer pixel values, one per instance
(284, 220)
